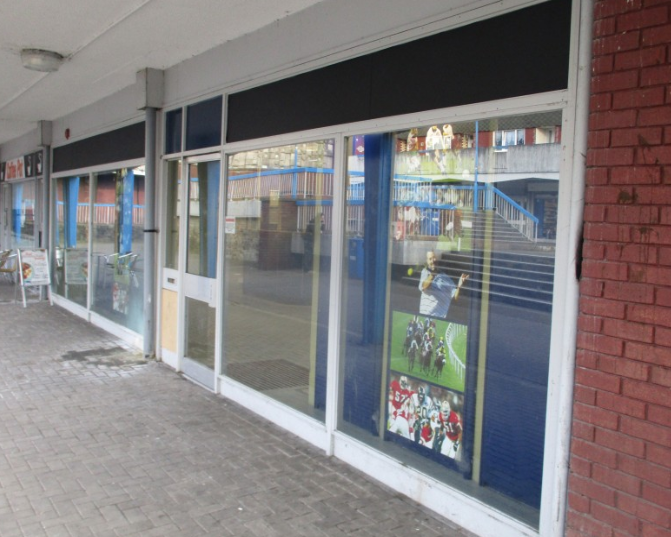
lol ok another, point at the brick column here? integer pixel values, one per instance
(620, 476)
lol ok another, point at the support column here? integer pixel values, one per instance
(150, 232)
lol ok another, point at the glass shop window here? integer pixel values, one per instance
(23, 215)
(71, 238)
(173, 211)
(203, 124)
(447, 304)
(118, 247)
(173, 131)
(277, 272)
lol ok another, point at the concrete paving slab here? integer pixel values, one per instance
(97, 441)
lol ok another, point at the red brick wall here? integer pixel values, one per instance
(620, 477)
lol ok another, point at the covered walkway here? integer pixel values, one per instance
(97, 441)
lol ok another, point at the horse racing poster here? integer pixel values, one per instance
(427, 379)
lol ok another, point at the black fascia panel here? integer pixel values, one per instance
(520, 53)
(118, 145)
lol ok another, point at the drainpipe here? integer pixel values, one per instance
(149, 231)
(44, 130)
(44, 142)
(149, 85)
(46, 196)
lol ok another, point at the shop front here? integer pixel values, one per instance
(376, 269)
(402, 295)
(22, 178)
(97, 236)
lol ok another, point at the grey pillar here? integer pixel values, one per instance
(150, 233)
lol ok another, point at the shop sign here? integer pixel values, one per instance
(15, 169)
(22, 167)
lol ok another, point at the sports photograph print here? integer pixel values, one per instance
(426, 415)
(429, 349)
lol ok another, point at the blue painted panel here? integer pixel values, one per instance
(518, 347)
(213, 180)
(16, 212)
(126, 235)
(366, 302)
(71, 187)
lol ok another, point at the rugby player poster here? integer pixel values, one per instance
(427, 379)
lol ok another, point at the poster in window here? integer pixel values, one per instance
(123, 265)
(427, 379)
(76, 266)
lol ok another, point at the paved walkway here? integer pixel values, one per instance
(96, 441)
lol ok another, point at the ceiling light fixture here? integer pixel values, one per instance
(44, 61)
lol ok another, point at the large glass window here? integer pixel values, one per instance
(24, 208)
(71, 238)
(447, 303)
(203, 124)
(173, 131)
(173, 211)
(277, 249)
(118, 247)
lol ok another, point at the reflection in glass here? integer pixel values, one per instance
(118, 247)
(447, 301)
(24, 207)
(202, 218)
(277, 247)
(200, 332)
(71, 238)
(173, 208)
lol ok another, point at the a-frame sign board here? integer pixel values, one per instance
(34, 271)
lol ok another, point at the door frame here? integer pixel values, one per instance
(192, 369)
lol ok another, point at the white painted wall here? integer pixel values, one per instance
(19, 146)
(113, 112)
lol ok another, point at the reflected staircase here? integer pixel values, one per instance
(517, 271)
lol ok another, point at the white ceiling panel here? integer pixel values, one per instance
(106, 42)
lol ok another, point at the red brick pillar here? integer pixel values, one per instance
(620, 467)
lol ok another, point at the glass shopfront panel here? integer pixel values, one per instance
(118, 247)
(202, 241)
(23, 228)
(71, 238)
(277, 272)
(173, 208)
(447, 302)
(200, 324)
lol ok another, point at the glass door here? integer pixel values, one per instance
(199, 283)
